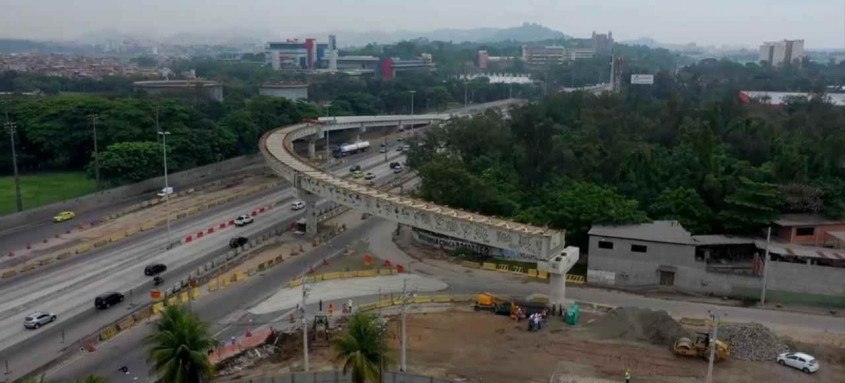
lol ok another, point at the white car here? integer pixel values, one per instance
(38, 319)
(297, 205)
(243, 220)
(165, 191)
(799, 360)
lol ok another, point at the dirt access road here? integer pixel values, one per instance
(482, 347)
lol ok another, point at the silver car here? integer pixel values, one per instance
(38, 319)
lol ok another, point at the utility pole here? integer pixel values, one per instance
(12, 128)
(407, 297)
(381, 338)
(328, 157)
(412, 104)
(304, 322)
(167, 190)
(765, 268)
(715, 316)
(466, 100)
(93, 118)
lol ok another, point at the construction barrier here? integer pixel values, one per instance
(108, 333)
(158, 307)
(9, 273)
(213, 285)
(195, 293)
(183, 297)
(172, 301)
(126, 323)
(147, 226)
(64, 255)
(101, 242)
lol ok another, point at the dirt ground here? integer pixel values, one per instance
(482, 347)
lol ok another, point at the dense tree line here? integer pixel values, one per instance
(56, 133)
(683, 149)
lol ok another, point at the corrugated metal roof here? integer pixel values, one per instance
(657, 231)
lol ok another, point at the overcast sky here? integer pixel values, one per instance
(821, 23)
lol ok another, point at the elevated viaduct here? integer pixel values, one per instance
(543, 245)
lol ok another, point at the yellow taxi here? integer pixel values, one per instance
(64, 216)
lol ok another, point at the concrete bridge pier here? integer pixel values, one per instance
(311, 213)
(557, 267)
(312, 147)
(359, 132)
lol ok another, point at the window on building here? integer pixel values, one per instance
(639, 248)
(804, 231)
(605, 245)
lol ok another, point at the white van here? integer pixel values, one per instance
(165, 191)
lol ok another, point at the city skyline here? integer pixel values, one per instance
(821, 23)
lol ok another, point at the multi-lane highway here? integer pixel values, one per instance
(41, 227)
(68, 288)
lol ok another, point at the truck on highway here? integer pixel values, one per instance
(346, 149)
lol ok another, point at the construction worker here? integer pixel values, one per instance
(627, 375)
(331, 309)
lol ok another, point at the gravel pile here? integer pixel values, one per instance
(751, 341)
(638, 324)
(246, 359)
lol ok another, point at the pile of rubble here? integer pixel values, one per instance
(638, 324)
(751, 341)
(246, 359)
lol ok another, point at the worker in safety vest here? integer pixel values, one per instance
(627, 375)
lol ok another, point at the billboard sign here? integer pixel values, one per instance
(642, 79)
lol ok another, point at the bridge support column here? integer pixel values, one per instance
(312, 147)
(361, 130)
(557, 267)
(311, 217)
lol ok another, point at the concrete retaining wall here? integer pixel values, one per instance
(151, 186)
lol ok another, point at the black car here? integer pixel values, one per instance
(155, 268)
(394, 165)
(355, 168)
(238, 242)
(107, 300)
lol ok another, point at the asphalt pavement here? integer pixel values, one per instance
(68, 288)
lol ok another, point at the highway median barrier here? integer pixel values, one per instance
(101, 242)
(9, 273)
(108, 333)
(126, 323)
(63, 255)
(83, 248)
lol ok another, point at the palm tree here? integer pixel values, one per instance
(179, 347)
(362, 349)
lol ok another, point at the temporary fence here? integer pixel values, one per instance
(509, 268)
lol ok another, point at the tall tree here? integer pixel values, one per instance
(362, 349)
(179, 346)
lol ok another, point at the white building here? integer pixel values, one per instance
(291, 92)
(777, 53)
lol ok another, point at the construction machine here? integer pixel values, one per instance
(488, 301)
(701, 347)
(320, 332)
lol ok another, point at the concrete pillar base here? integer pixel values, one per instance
(557, 289)
(312, 148)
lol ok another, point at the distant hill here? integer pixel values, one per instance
(523, 33)
(28, 46)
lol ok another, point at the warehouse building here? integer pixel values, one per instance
(664, 255)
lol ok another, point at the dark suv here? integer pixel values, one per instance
(107, 300)
(238, 242)
(355, 168)
(155, 268)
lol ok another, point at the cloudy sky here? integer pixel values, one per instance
(821, 23)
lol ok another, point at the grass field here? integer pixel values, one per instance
(44, 188)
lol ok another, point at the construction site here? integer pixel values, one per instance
(462, 344)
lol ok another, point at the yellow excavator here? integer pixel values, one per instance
(701, 347)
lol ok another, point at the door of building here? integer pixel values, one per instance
(667, 278)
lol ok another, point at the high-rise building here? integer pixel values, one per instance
(483, 59)
(332, 53)
(296, 54)
(777, 53)
(543, 55)
(602, 43)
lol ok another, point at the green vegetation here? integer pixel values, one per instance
(44, 188)
(179, 347)
(683, 149)
(362, 348)
(87, 379)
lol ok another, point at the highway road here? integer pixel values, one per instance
(17, 238)
(68, 288)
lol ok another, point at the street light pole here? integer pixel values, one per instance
(93, 118)
(11, 127)
(765, 268)
(167, 193)
(715, 316)
(304, 323)
(466, 100)
(412, 104)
